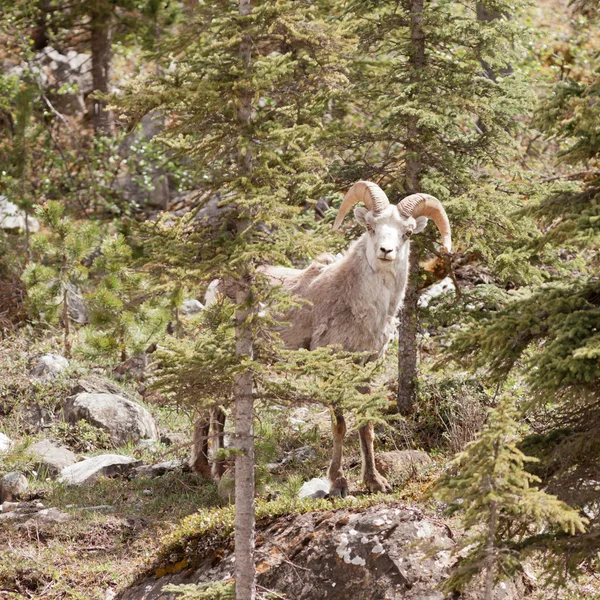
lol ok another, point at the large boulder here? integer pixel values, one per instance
(51, 457)
(385, 552)
(124, 420)
(47, 366)
(12, 486)
(106, 465)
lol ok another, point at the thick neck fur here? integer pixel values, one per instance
(381, 283)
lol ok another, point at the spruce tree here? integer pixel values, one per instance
(431, 119)
(500, 503)
(249, 97)
(547, 332)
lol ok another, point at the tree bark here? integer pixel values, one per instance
(245, 573)
(101, 46)
(407, 341)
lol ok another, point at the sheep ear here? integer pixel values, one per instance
(421, 224)
(360, 214)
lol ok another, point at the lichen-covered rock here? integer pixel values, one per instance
(384, 552)
(47, 366)
(12, 486)
(51, 457)
(13, 218)
(87, 471)
(124, 420)
(401, 462)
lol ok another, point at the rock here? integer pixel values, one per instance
(158, 469)
(5, 443)
(12, 485)
(106, 465)
(173, 439)
(47, 366)
(384, 552)
(191, 306)
(124, 420)
(401, 462)
(8, 506)
(48, 516)
(313, 487)
(13, 218)
(101, 385)
(52, 457)
(440, 288)
(37, 417)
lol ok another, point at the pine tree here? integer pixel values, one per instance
(500, 505)
(125, 312)
(60, 267)
(430, 118)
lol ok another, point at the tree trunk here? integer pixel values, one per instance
(101, 46)
(245, 573)
(407, 342)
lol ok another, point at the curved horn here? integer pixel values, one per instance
(424, 205)
(367, 192)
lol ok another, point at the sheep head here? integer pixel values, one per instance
(390, 227)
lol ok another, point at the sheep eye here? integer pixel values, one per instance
(369, 229)
(408, 233)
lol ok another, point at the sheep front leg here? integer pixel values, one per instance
(371, 477)
(199, 459)
(338, 428)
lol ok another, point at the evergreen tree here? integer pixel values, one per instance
(249, 97)
(431, 119)
(548, 332)
(500, 504)
(60, 267)
(125, 314)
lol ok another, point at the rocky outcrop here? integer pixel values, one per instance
(51, 458)
(124, 420)
(385, 552)
(106, 465)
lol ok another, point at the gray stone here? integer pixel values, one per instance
(159, 468)
(173, 439)
(124, 420)
(52, 457)
(106, 465)
(12, 485)
(48, 516)
(8, 506)
(191, 306)
(401, 462)
(5, 443)
(13, 218)
(47, 366)
(384, 552)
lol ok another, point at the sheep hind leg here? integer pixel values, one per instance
(199, 461)
(338, 428)
(219, 417)
(371, 477)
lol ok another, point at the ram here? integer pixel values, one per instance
(353, 302)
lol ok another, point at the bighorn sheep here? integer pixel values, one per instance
(353, 302)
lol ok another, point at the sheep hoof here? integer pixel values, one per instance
(378, 483)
